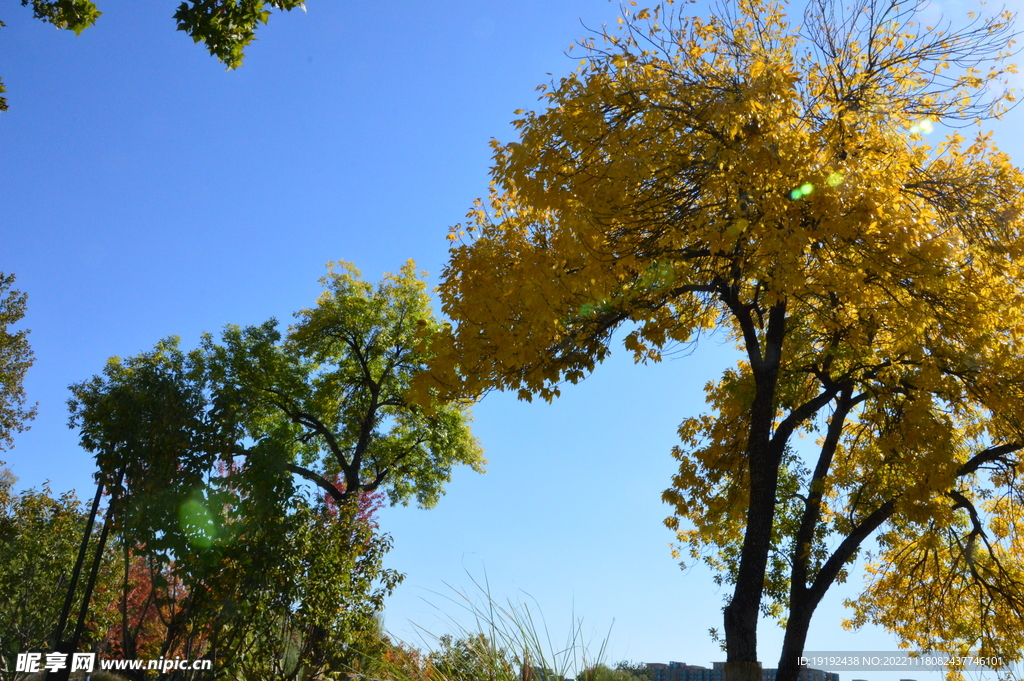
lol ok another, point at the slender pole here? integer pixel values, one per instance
(71, 647)
(89, 586)
(62, 623)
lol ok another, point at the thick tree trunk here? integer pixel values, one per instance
(741, 615)
(793, 644)
(764, 457)
(742, 671)
(803, 600)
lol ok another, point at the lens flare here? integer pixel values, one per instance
(801, 191)
(197, 523)
(923, 126)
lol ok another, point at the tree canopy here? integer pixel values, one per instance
(290, 596)
(39, 539)
(15, 359)
(325, 402)
(225, 26)
(211, 456)
(779, 182)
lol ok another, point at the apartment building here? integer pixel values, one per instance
(680, 671)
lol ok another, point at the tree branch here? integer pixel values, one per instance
(311, 422)
(849, 546)
(741, 312)
(812, 504)
(320, 481)
(802, 413)
(989, 455)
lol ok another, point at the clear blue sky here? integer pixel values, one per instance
(144, 191)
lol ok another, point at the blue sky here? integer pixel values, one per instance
(145, 191)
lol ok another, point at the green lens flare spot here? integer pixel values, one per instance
(801, 191)
(197, 523)
(834, 179)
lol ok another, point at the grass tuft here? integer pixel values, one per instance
(508, 641)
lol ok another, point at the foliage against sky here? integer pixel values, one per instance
(777, 182)
(15, 360)
(40, 534)
(326, 402)
(226, 27)
(347, 128)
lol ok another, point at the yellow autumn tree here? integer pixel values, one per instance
(779, 181)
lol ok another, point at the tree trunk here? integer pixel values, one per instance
(741, 615)
(793, 644)
(742, 671)
(764, 457)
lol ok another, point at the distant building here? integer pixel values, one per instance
(680, 671)
(806, 674)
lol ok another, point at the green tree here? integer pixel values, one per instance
(290, 596)
(322, 611)
(203, 452)
(40, 536)
(286, 598)
(637, 669)
(225, 26)
(15, 359)
(777, 182)
(602, 672)
(473, 657)
(327, 403)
